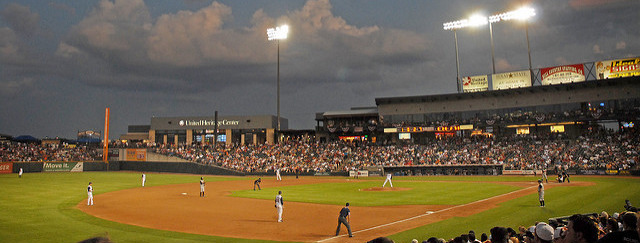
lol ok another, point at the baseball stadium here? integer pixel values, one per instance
(544, 154)
(496, 161)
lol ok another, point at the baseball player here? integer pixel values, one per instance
(388, 179)
(343, 218)
(278, 175)
(279, 205)
(544, 175)
(90, 194)
(541, 193)
(257, 183)
(201, 187)
(144, 179)
(20, 173)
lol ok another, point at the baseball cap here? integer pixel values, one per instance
(544, 231)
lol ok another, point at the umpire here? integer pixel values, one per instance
(344, 219)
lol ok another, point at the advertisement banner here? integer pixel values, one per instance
(475, 83)
(521, 172)
(619, 68)
(6, 168)
(511, 80)
(562, 74)
(136, 155)
(62, 167)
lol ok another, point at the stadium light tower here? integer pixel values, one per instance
(522, 14)
(475, 20)
(277, 34)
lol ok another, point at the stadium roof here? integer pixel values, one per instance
(355, 112)
(508, 92)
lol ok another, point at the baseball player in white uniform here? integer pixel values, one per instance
(90, 194)
(279, 205)
(20, 173)
(541, 193)
(388, 179)
(201, 187)
(278, 175)
(144, 179)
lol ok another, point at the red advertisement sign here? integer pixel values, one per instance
(6, 168)
(562, 74)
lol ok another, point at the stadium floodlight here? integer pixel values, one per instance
(521, 14)
(277, 34)
(473, 21)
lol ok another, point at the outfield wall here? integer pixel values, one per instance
(195, 168)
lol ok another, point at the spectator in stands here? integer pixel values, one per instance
(472, 237)
(543, 233)
(499, 235)
(581, 229)
(484, 237)
(629, 231)
(513, 236)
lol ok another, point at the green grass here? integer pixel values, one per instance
(40, 207)
(420, 193)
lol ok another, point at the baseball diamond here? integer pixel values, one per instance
(221, 214)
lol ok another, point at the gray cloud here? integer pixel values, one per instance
(20, 18)
(192, 50)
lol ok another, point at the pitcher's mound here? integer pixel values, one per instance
(386, 189)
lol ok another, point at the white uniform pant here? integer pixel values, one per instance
(90, 199)
(279, 209)
(278, 176)
(385, 182)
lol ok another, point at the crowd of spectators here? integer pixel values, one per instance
(32, 152)
(596, 151)
(580, 228)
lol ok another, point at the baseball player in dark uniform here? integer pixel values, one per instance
(257, 183)
(344, 219)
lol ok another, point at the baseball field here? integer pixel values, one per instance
(51, 207)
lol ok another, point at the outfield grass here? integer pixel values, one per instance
(40, 207)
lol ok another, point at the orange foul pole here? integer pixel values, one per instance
(105, 152)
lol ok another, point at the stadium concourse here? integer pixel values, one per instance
(598, 150)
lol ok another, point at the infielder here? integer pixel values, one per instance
(20, 173)
(541, 193)
(144, 179)
(343, 218)
(278, 178)
(201, 187)
(388, 179)
(90, 194)
(257, 183)
(544, 175)
(279, 205)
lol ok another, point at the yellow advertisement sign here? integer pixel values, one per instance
(619, 68)
(136, 155)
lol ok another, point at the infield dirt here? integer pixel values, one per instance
(218, 214)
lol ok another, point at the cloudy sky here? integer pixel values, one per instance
(63, 62)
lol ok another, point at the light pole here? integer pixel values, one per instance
(278, 33)
(522, 14)
(474, 20)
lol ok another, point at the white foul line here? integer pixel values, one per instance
(429, 213)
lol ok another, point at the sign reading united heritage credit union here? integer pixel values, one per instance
(196, 123)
